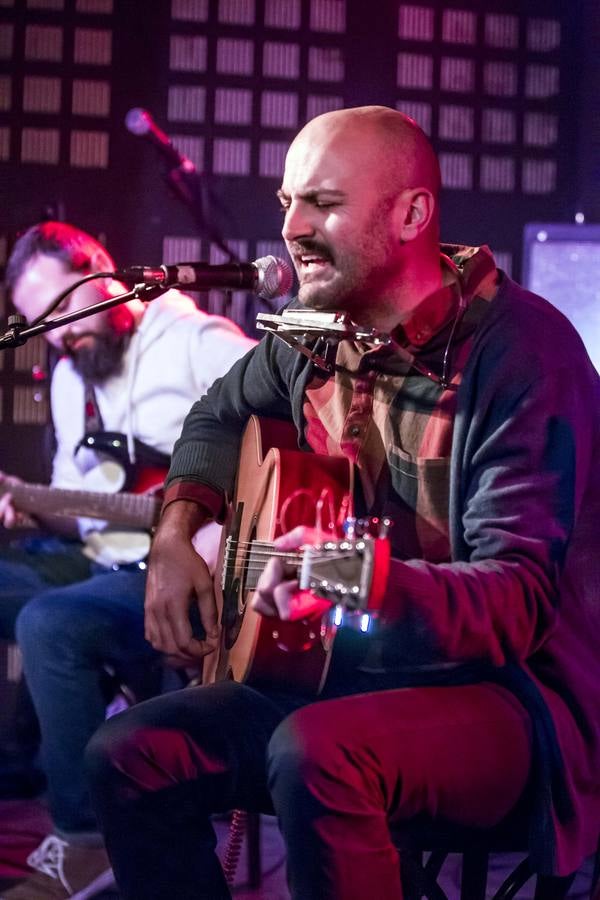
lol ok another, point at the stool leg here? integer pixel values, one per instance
(473, 879)
(553, 887)
(419, 880)
(411, 874)
(515, 881)
(431, 869)
(596, 874)
(253, 850)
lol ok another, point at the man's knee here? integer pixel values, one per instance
(150, 746)
(302, 757)
(135, 757)
(36, 625)
(53, 624)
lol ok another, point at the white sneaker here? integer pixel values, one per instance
(64, 872)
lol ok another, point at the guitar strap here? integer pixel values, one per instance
(92, 417)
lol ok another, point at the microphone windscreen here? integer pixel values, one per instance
(275, 277)
(138, 121)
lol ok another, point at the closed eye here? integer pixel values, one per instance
(324, 200)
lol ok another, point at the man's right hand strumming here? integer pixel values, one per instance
(178, 580)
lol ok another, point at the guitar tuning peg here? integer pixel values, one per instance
(374, 526)
(354, 528)
(384, 527)
(349, 527)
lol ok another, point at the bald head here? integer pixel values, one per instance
(361, 225)
(396, 150)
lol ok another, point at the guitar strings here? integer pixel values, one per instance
(262, 555)
(259, 547)
(255, 555)
(254, 543)
(291, 557)
(250, 548)
(258, 564)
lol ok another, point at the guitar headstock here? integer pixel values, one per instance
(352, 571)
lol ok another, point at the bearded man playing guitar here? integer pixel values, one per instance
(124, 383)
(470, 415)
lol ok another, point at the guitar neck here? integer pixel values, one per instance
(252, 557)
(341, 571)
(134, 510)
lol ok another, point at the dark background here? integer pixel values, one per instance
(508, 91)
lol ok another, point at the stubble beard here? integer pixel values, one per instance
(356, 293)
(358, 286)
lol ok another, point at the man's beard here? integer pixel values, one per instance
(360, 272)
(102, 359)
(355, 288)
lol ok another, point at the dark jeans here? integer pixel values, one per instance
(74, 618)
(29, 566)
(335, 772)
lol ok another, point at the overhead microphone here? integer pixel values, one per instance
(268, 276)
(139, 121)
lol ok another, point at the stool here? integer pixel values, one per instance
(419, 878)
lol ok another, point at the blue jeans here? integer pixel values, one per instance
(75, 617)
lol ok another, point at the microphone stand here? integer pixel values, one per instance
(18, 333)
(189, 186)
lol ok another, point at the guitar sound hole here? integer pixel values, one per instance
(232, 622)
(236, 597)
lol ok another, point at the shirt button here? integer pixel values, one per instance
(355, 430)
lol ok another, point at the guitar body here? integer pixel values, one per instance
(114, 490)
(278, 487)
(147, 473)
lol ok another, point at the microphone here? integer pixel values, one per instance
(268, 276)
(139, 121)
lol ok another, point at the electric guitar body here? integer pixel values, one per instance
(116, 490)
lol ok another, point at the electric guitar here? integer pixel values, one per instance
(279, 487)
(130, 508)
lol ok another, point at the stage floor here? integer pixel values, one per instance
(24, 823)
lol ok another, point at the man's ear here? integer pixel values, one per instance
(415, 209)
(99, 262)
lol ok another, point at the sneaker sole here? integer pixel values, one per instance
(103, 881)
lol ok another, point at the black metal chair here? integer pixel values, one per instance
(424, 847)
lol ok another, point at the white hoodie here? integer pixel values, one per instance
(173, 357)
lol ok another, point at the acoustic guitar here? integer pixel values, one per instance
(279, 487)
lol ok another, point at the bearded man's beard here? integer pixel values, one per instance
(102, 359)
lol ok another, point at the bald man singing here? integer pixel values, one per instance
(474, 427)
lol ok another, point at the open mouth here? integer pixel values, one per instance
(310, 263)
